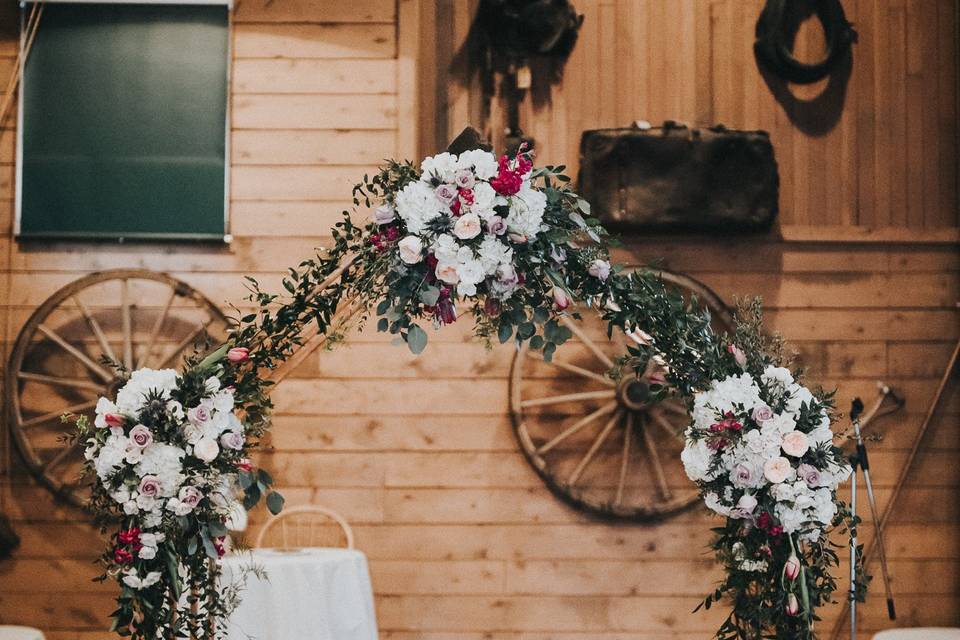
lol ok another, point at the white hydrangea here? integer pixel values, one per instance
(526, 211)
(713, 503)
(484, 200)
(446, 248)
(471, 273)
(483, 163)
(729, 394)
(417, 205)
(696, 458)
(142, 382)
(494, 253)
(442, 166)
(165, 462)
(111, 455)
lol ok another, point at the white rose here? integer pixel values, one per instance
(777, 469)
(746, 504)
(447, 272)
(411, 249)
(795, 444)
(467, 226)
(206, 449)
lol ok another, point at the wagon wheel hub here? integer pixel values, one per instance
(634, 394)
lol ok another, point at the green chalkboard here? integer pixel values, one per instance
(123, 131)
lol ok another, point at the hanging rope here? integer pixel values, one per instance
(777, 28)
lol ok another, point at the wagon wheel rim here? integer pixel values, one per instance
(638, 435)
(67, 325)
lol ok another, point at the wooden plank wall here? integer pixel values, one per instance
(464, 541)
(888, 160)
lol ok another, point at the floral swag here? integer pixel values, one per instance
(513, 247)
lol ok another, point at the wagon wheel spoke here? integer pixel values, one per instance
(625, 459)
(577, 426)
(665, 424)
(147, 349)
(674, 407)
(73, 383)
(591, 452)
(62, 455)
(569, 397)
(127, 323)
(55, 415)
(186, 342)
(590, 344)
(572, 368)
(659, 476)
(95, 328)
(76, 353)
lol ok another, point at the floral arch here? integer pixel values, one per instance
(515, 248)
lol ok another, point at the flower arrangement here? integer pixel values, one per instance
(761, 450)
(169, 458)
(515, 248)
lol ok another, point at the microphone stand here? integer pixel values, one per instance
(860, 460)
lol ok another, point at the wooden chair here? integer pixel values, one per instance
(306, 526)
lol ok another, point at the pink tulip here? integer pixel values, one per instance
(561, 299)
(792, 567)
(793, 605)
(113, 420)
(238, 354)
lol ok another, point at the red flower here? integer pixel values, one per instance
(455, 207)
(491, 307)
(244, 464)
(507, 183)
(763, 520)
(466, 195)
(122, 556)
(129, 536)
(114, 419)
(446, 312)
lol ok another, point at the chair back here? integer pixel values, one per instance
(926, 633)
(306, 526)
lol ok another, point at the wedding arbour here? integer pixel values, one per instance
(467, 235)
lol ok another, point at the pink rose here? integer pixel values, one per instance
(738, 355)
(762, 414)
(467, 226)
(384, 214)
(465, 179)
(561, 299)
(599, 269)
(497, 225)
(141, 436)
(809, 474)
(446, 193)
(238, 354)
(741, 476)
(411, 249)
(190, 495)
(199, 414)
(149, 486)
(777, 469)
(232, 440)
(795, 443)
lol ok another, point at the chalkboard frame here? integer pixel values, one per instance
(222, 235)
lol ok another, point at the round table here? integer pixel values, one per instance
(308, 594)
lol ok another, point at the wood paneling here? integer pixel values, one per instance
(465, 543)
(876, 153)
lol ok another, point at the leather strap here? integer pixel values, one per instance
(774, 50)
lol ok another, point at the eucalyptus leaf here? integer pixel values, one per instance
(416, 339)
(275, 502)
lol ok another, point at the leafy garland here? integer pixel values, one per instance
(513, 246)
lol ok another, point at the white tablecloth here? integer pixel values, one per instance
(308, 594)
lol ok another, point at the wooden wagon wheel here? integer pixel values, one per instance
(603, 445)
(138, 318)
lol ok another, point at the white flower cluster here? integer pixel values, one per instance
(142, 467)
(756, 447)
(467, 212)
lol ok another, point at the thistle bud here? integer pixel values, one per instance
(792, 567)
(793, 605)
